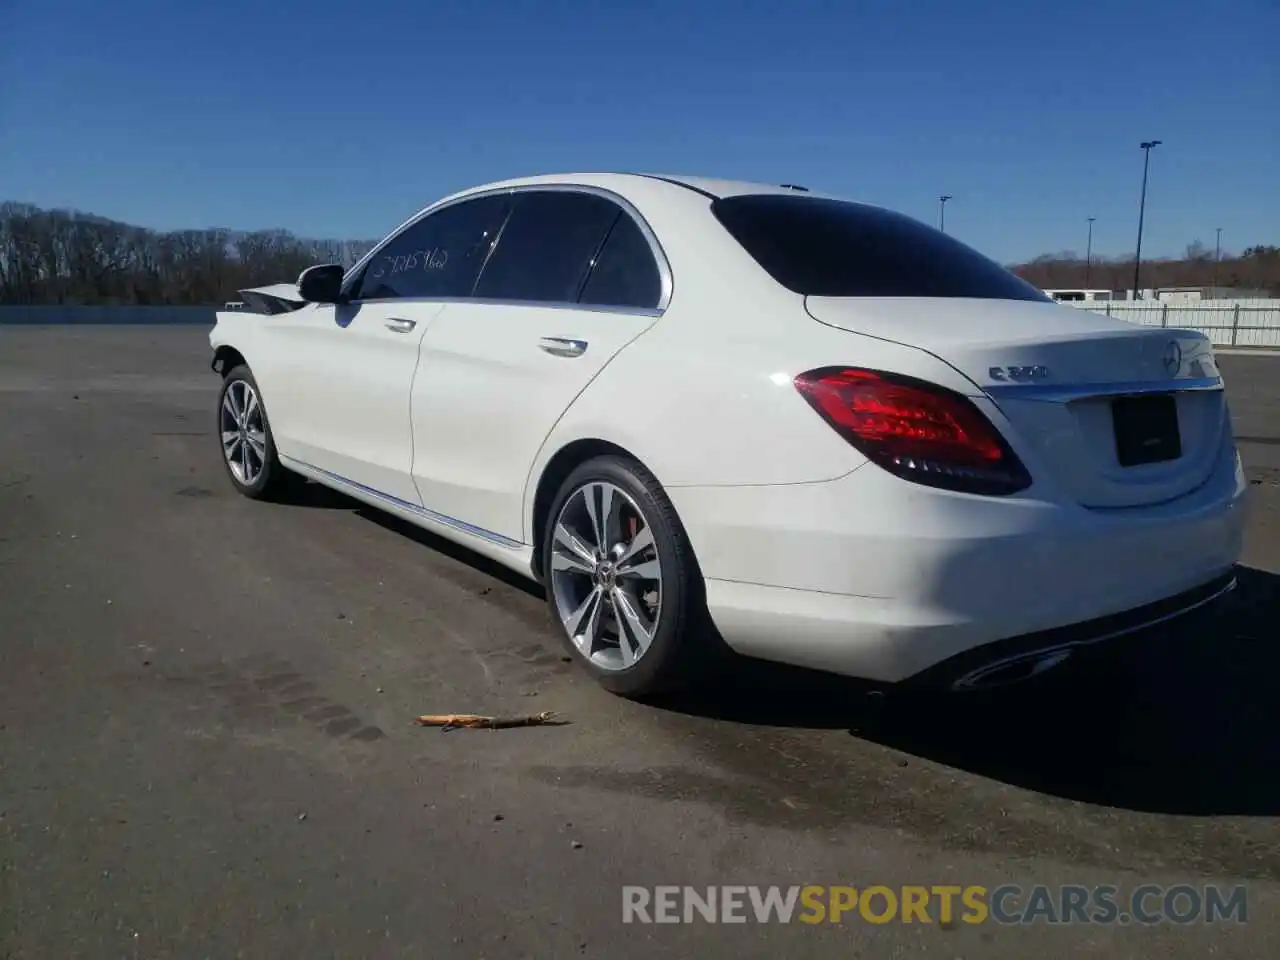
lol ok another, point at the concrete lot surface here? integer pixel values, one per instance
(207, 747)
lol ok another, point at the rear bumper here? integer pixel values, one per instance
(971, 667)
(874, 577)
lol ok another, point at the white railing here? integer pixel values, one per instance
(1228, 323)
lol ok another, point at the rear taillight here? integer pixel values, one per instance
(915, 430)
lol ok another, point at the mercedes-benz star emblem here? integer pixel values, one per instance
(1173, 358)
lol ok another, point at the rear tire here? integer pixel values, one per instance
(621, 580)
(245, 438)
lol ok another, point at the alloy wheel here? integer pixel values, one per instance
(244, 432)
(605, 575)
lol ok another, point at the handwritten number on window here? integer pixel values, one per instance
(434, 259)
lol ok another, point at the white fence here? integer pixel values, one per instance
(1233, 323)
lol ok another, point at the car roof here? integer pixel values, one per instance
(630, 186)
(626, 183)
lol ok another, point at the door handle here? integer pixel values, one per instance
(562, 346)
(399, 325)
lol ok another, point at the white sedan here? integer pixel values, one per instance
(701, 411)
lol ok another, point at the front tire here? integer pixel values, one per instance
(244, 433)
(622, 581)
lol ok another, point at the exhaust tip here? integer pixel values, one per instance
(1006, 673)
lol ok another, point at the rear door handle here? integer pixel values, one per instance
(562, 346)
(400, 325)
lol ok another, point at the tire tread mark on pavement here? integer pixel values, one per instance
(263, 687)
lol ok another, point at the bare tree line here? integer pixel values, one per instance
(1257, 268)
(69, 257)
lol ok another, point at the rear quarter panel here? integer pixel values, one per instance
(701, 403)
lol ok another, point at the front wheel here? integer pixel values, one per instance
(248, 448)
(622, 581)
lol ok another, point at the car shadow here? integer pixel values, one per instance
(318, 496)
(1181, 719)
(1178, 719)
(307, 493)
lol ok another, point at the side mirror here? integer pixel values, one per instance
(321, 284)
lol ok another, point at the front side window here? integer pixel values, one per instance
(439, 256)
(834, 248)
(547, 246)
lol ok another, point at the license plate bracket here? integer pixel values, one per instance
(1146, 429)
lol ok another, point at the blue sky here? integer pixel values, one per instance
(334, 119)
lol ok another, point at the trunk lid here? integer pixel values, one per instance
(1094, 398)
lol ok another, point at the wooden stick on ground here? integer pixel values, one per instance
(471, 721)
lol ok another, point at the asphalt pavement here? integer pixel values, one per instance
(207, 745)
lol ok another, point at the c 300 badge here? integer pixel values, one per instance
(1019, 374)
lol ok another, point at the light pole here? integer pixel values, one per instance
(942, 211)
(1217, 256)
(1088, 253)
(1145, 146)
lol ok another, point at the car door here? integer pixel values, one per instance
(572, 280)
(352, 364)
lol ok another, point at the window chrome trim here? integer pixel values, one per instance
(544, 304)
(1065, 393)
(665, 278)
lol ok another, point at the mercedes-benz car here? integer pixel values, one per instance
(708, 414)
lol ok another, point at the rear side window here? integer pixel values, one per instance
(834, 248)
(625, 274)
(439, 256)
(547, 247)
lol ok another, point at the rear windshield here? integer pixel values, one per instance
(834, 248)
